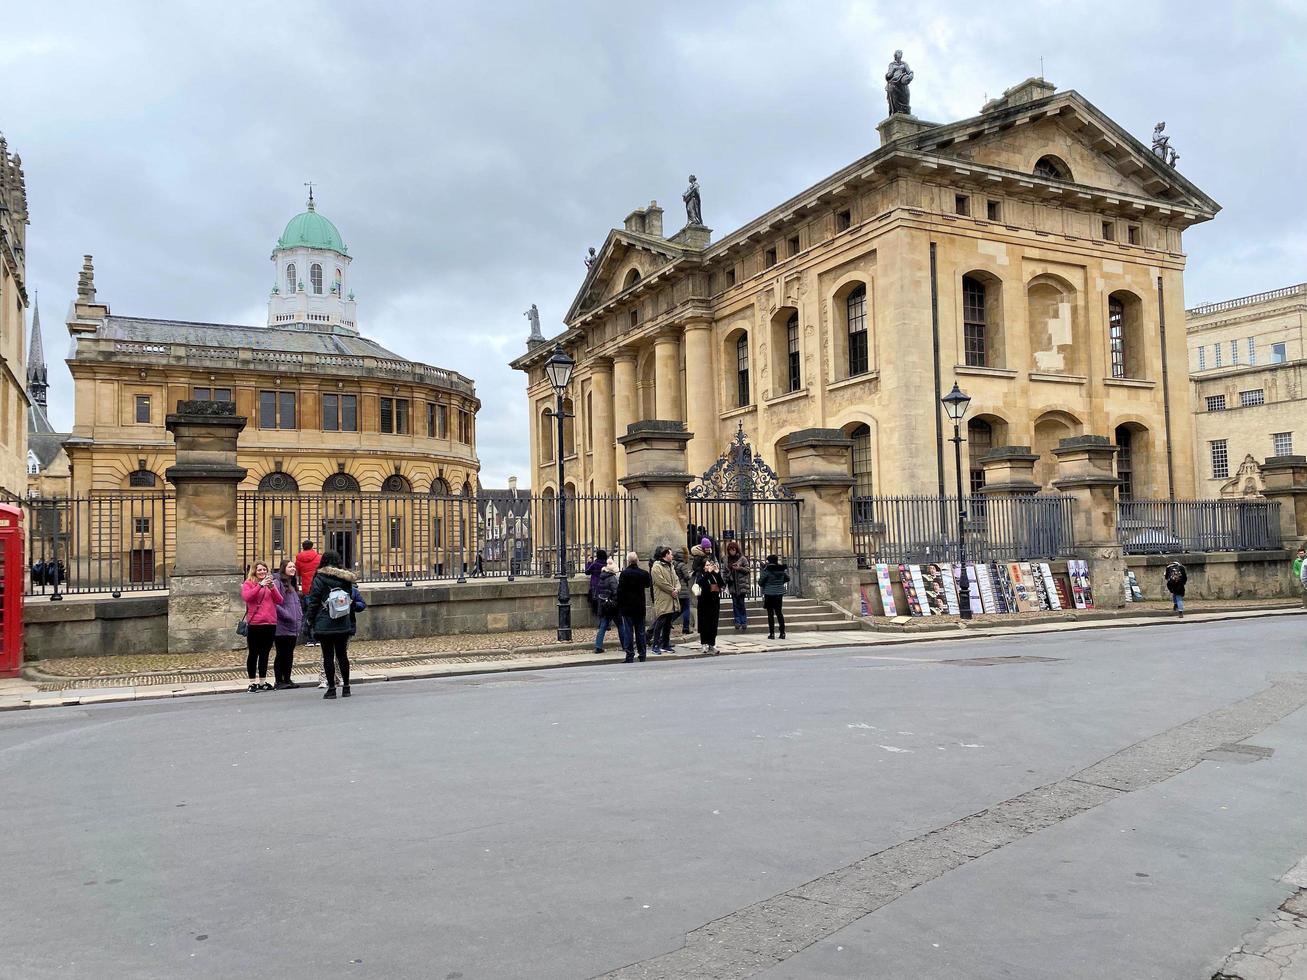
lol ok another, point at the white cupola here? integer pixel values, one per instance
(311, 291)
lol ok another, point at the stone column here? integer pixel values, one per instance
(1086, 470)
(204, 602)
(700, 396)
(821, 479)
(1286, 481)
(656, 475)
(625, 397)
(667, 376)
(605, 435)
(1009, 472)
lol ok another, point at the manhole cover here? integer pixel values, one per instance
(1238, 754)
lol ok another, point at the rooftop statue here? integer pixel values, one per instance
(693, 207)
(1162, 146)
(533, 315)
(897, 80)
(592, 258)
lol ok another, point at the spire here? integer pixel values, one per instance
(37, 376)
(86, 281)
(309, 185)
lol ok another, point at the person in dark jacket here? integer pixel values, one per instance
(332, 632)
(290, 621)
(632, 585)
(594, 568)
(735, 569)
(710, 586)
(605, 597)
(684, 575)
(773, 579)
(1176, 576)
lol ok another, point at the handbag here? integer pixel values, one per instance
(696, 589)
(243, 627)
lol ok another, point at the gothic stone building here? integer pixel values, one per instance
(1248, 364)
(327, 408)
(13, 307)
(1031, 252)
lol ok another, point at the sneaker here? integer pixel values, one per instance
(322, 684)
(252, 689)
(265, 686)
(330, 695)
(344, 691)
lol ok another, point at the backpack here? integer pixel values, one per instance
(1173, 574)
(339, 603)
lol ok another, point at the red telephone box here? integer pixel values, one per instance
(12, 578)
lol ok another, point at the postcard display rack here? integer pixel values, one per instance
(994, 587)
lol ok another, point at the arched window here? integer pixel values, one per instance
(396, 484)
(440, 487)
(1052, 168)
(467, 489)
(975, 327)
(279, 482)
(340, 483)
(980, 440)
(793, 361)
(315, 278)
(742, 370)
(1124, 326)
(290, 278)
(862, 485)
(1125, 463)
(143, 479)
(632, 278)
(856, 315)
(1116, 336)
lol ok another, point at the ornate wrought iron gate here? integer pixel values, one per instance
(741, 498)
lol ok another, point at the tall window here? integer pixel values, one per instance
(980, 440)
(315, 278)
(1282, 443)
(1234, 352)
(792, 351)
(1220, 358)
(290, 278)
(1124, 463)
(340, 413)
(1252, 350)
(973, 321)
(396, 533)
(1202, 358)
(276, 409)
(742, 370)
(862, 465)
(1278, 355)
(143, 409)
(1220, 459)
(278, 535)
(1116, 335)
(856, 310)
(394, 416)
(437, 421)
(465, 427)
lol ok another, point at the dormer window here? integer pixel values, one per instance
(315, 278)
(1052, 168)
(290, 278)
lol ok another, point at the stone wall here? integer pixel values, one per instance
(81, 627)
(1221, 575)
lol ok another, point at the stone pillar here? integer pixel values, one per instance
(820, 477)
(667, 376)
(700, 396)
(625, 395)
(1086, 470)
(204, 602)
(656, 475)
(1009, 472)
(605, 434)
(1286, 481)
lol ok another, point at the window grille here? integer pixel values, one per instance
(1116, 335)
(1282, 443)
(973, 322)
(1220, 459)
(1252, 397)
(856, 310)
(1216, 403)
(742, 370)
(792, 350)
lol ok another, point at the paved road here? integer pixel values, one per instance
(832, 814)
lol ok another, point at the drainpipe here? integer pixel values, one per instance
(939, 393)
(1166, 391)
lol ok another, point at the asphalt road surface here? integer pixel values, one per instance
(878, 812)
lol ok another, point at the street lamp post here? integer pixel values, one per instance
(559, 371)
(955, 405)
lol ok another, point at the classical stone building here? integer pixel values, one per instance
(13, 319)
(1248, 373)
(1032, 253)
(327, 408)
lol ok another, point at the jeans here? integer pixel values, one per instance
(662, 632)
(631, 630)
(737, 609)
(258, 641)
(604, 624)
(335, 648)
(1178, 602)
(685, 614)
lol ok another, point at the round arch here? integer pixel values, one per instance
(632, 277)
(1052, 167)
(396, 483)
(1134, 459)
(141, 479)
(1050, 428)
(440, 487)
(340, 483)
(278, 482)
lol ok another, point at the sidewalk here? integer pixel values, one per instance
(457, 656)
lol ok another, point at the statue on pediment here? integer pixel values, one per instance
(592, 258)
(533, 315)
(897, 80)
(693, 206)
(1162, 148)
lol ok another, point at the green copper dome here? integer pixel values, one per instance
(311, 230)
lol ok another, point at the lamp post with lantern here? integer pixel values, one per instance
(956, 404)
(559, 369)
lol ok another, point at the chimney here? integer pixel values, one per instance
(646, 221)
(512, 485)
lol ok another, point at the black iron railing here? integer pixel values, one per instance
(1156, 527)
(106, 542)
(925, 528)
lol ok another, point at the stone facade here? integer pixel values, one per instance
(1036, 246)
(13, 321)
(1248, 372)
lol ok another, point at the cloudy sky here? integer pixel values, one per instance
(470, 152)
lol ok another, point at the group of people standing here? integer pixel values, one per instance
(697, 577)
(310, 599)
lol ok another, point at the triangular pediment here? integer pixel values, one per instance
(1096, 151)
(623, 253)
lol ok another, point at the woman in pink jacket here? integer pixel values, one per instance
(261, 597)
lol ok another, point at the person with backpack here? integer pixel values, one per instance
(632, 585)
(667, 604)
(261, 596)
(290, 621)
(605, 597)
(1176, 576)
(594, 568)
(773, 579)
(331, 610)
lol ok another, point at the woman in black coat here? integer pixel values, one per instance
(332, 632)
(710, 585)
